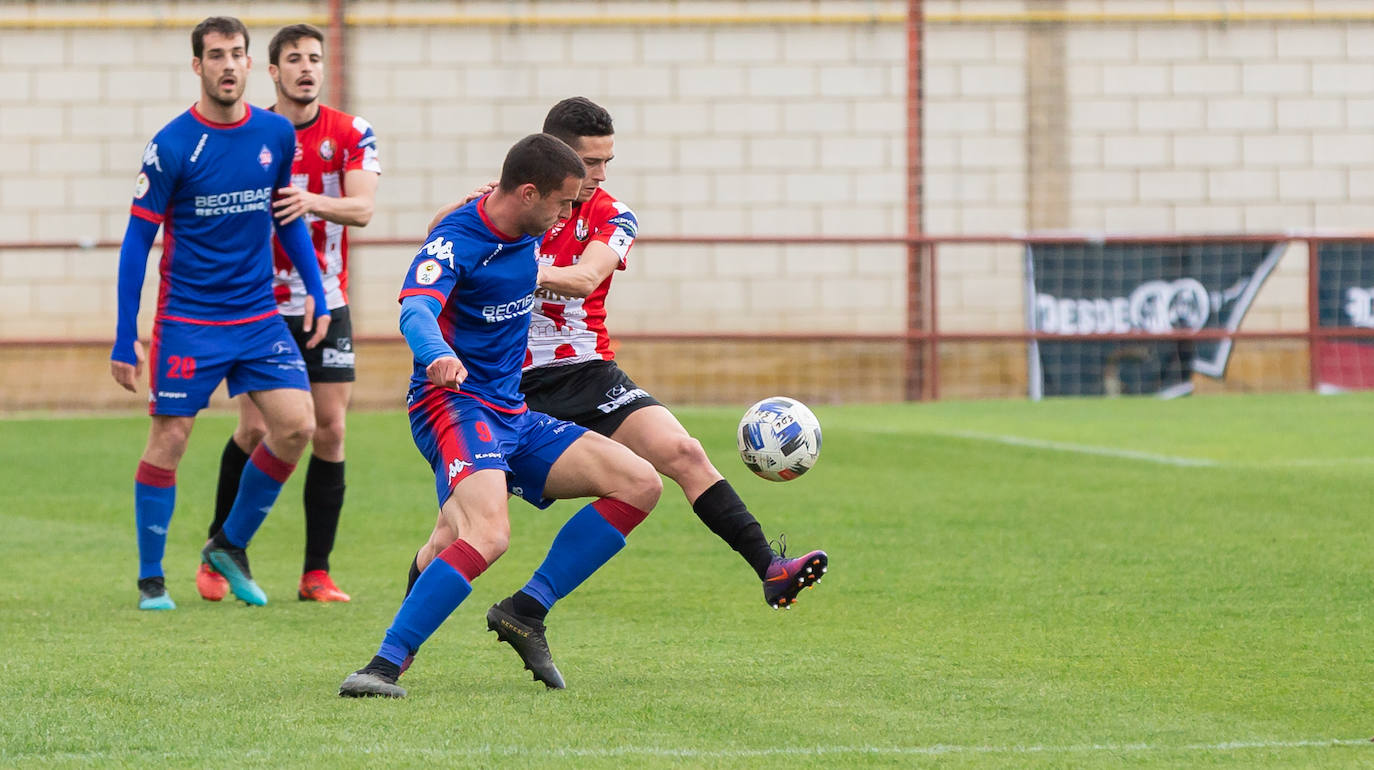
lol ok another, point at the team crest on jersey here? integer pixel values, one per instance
(427, 272)
(141, 185)
(265, 158)
(327, 149)
(580, 232)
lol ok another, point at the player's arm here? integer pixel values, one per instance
(353, 209)
(126, 358)
(420, 327)
(295, 240)
(597, 262)
(476, 193)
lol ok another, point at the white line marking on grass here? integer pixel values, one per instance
(528, 752)
(1087, 449)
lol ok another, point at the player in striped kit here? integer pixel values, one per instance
(334, 184)
(465, 308)
(570, 373)
(209, 178)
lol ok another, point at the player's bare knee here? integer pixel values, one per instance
(491, 543)
(683, 456)
(248, 436)
(294, 433)
(328, 440)
(643, 485)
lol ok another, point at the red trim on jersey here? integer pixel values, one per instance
(437, 390)
(153, 476)
(464, 558)
(247, 111)
(435, 293)
(164, 265)
(154, 350)
(203, 322)
(143, 213)
(482, 212)
(523, 407)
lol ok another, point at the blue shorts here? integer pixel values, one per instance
(188, 361)
(460, 435)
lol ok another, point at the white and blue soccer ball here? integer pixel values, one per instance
(779, 438)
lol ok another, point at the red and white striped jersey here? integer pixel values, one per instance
(570, 330)
(330, 146)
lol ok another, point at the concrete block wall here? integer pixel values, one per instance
(734, 128)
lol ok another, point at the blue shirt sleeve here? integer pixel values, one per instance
(133, 263)
(420, 327)
(157, 179)
(295, 241)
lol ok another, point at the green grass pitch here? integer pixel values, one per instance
(1065, 584)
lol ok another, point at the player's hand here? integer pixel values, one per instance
(127, 374)
(478, 192)
(447, 372)
(320, 325)
(292, 203)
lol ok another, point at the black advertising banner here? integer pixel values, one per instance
(1144, 288)
(1345, 298)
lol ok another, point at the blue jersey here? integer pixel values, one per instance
(210, 186)
(485, 281)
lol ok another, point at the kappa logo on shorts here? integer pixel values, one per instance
(456, 467)
(280, 348)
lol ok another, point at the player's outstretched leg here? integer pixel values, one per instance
(787, 577)
(721, 509)
(526, 635)
(232, 562)
(152, 594)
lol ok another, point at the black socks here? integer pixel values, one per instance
(527, 606)
(725, 514)
(231, 465)
(324, 496)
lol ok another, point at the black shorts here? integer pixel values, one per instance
(332, 359)
(596, 395)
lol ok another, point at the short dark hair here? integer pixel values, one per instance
(542, 160)
(227, 26)
(288, 35)
(576, 117)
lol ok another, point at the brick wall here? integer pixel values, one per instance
(730, 128)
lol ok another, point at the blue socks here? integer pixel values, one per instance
(155, 494)
(443, 585)
(259, 486)
(585, 542)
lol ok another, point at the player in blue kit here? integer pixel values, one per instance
(208, 179)
(465, 312)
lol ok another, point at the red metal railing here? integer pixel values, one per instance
(922, 335)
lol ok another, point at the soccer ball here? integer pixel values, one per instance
(779, 439)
